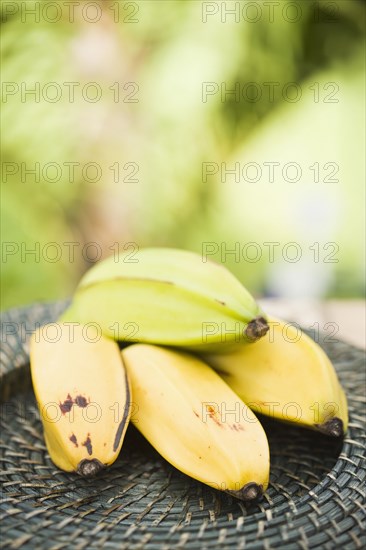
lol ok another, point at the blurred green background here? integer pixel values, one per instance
(131, 127)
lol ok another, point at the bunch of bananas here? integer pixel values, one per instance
(198, 357)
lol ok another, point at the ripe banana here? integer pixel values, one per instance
(167, 296)
(288, 376)
(196, 422)
(83, 395)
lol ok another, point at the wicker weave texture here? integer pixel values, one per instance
(316, 497)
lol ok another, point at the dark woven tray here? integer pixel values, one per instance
(316, 496)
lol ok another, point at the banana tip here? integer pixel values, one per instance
(89, 468)
(333, 427)
(256, 329)
(251, 492)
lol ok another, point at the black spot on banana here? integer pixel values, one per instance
(82, 434)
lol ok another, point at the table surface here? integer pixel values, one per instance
(336, 319)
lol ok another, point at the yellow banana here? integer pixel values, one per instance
(288, 376)
(196, 422)
(167, 296)
(83, 395)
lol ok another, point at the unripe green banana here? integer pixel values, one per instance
(196, 422)
(286, 376)
(170, 297)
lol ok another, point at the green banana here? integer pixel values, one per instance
(167, 296)
(286, 376)
(196, 422)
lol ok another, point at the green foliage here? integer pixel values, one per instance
(171, 131)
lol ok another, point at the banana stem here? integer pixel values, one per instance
(256, 329)
(251, 492)
(333, 427)
(89, 468)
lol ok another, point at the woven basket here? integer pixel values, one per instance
(316, 496)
